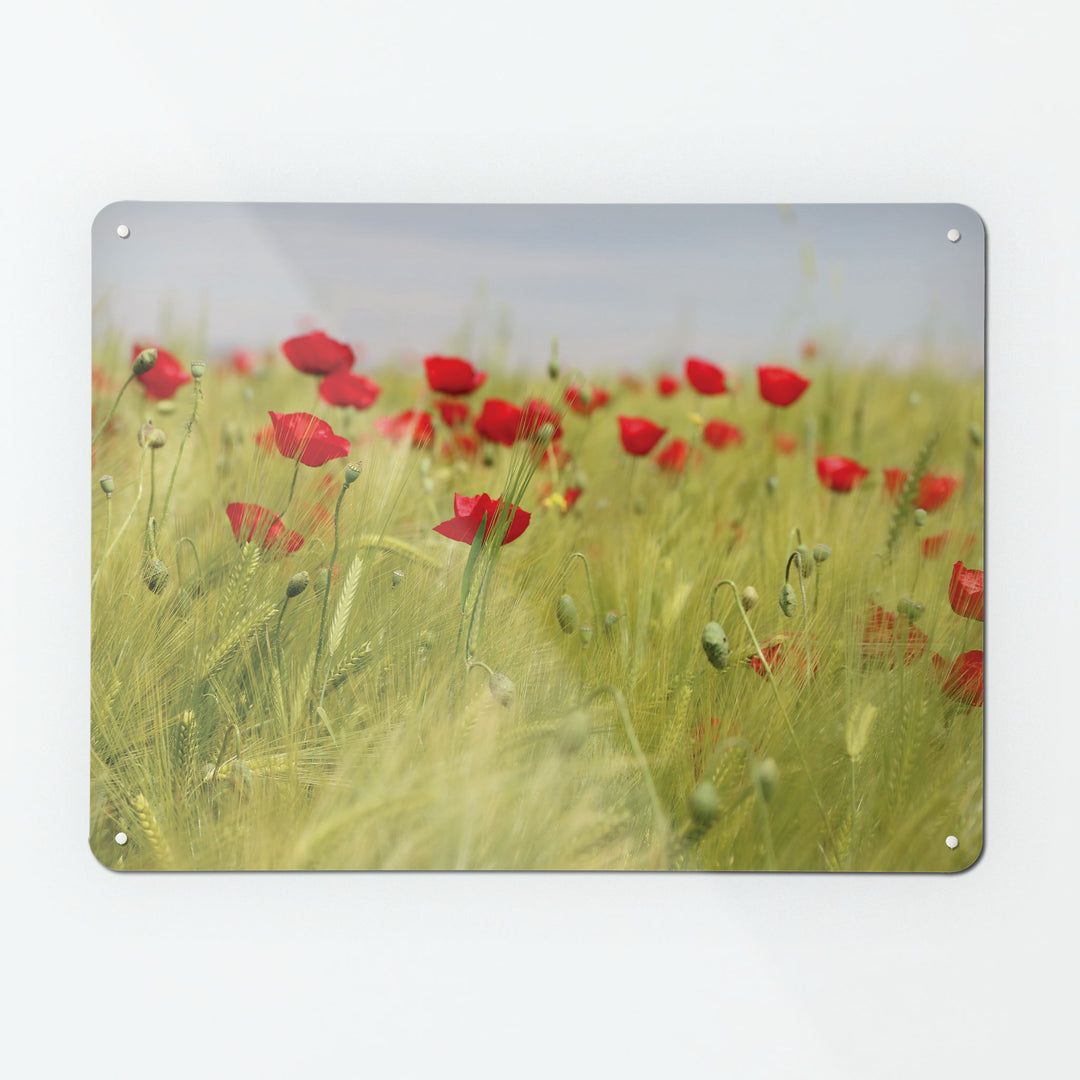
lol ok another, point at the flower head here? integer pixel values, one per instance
(586, 400)
(784, 653)
(966, 591)
(256, 523)
(498, 422)
(343, 388)
(667, 385)
(317, 354)
(780, 386)
(704, 377)
(535, 414)
(452, 375)
(720, 435)
(163, 379)
(963, 680)
(840, 473)
(935, 491)
(410, 424)
(469, 512)
(453, 413)
(674, 456)
(881, 637)
(303, 436)
(639, 436)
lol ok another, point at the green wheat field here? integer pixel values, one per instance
(432, 704)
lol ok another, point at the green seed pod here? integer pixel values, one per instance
(566, 613)
(544, 433)
(704, 803)
(144, 361)
(920, 518)
(502, 689)
(145, 432)
(910, 609)
(586, 634)
(352, 472)
(198, 370)
(772, 484)
(822, 553)
(156, 439)
(297, 583)
(806, 565)
(489, 454)
(715, 643)
(767, 775)
(787, 600)
(976, 435)
(108, 485)
(156, 575)
(748, 597)
(573, 731)
(584, 395)
(610, 619)
(553, 363)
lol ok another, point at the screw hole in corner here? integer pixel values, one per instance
(951, 842)
(123, 232)
(953, 236)
(121, 838)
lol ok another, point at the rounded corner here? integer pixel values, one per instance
(99, 858)
(978, 858)
(108, 210)
(974, 217)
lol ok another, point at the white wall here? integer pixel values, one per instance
(390, 975)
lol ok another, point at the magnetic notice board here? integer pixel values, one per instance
(537, 537)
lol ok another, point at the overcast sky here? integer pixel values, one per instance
(621, 286)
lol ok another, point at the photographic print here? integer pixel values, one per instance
(537, 537)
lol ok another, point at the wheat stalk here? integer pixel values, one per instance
(344, 604)
(239, 636)
(151, 830)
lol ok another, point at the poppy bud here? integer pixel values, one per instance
(502, 689)
(573, 731)
(156, 575)
(805, 565)
(772, 484)
(297, 583)
(198, 370)
(145, 432)
(544, 433)
(920, 518)
(748, 597)
(566, 613)
(489, 454)
(822, 553)
(787, 600)
(767, 774)
(107, 485)
(586, 634)
(553, 363)
(976, 435)
(910, 609)
(144, 361)
(155, 439)
(704, 803)
(610, 619)
(715, 643)
(352, 472)
(584, 395)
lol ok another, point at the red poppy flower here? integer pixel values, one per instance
(576, 401)
(783, 653)
(571, 496)
(264, 438)
(966, 591)
(895, 479)
(164, 378)
(880, 635)
(460, 445)
(720, 435)
(407, 425)
(704, 377)
(307, 437)
(555, 454)
(498, 422)
(469, 512)
(840, 473)
(242, 362)
(935, 491)
(808, 349)
(534, 414)
(639, 436)
(453, 412)
(345, 388)
(698, 752)
(785, 442)
(452, 375)
(963, 681)
(673, 457)
(667, 385)
(780, 386)
(933, 546)
(317, 354)
(251, 522)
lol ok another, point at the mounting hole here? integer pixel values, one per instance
(951, 842)
(953, 235)
(121, 838)
(124, 232)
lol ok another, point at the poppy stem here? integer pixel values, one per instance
(662, 824)
(127, 521)
(588, 574)
(277, 645)
(180, 449)
(776, 693)
(796, 557)
(292, 487)
(326, 592)
(105, 424)
(150, 508)
(198, 562)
